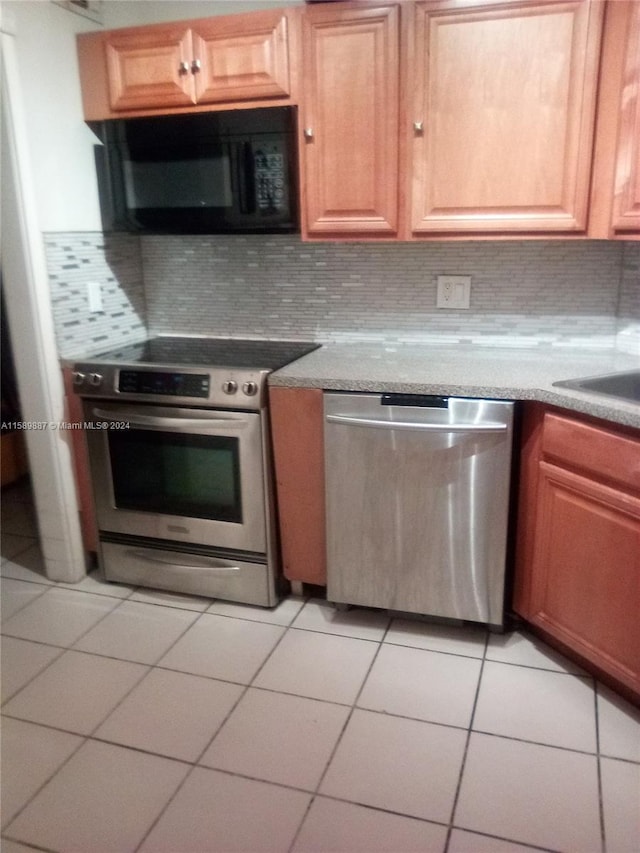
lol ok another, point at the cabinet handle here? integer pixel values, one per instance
(418, 126)
(196, 65)
(308, 133)
(183, 68)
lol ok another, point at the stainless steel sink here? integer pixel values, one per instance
(622, 386)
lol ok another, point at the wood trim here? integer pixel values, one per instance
(613, 54)
(530, 454)
(626, 205)
(297, 428)
(94, 83)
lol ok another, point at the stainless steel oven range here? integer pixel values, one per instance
(177, 431)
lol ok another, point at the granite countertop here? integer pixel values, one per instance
(510, 373)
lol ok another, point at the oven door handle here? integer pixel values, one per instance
(136, 419)
(199, 563)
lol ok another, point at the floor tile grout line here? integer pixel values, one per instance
(526, 844)
(61, 650)
(45, 589)
(247, 686)
(83, 740)
(83, 633)
(30, 846)
(340, 737)
(603, 832)
(456, 795)
(194, 765)
(197, 763)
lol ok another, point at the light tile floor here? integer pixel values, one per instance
(141, 720)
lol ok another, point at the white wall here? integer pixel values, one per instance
(128, 13)
(60, 143)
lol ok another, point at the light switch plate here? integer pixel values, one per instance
(454, 291)
(94, 295)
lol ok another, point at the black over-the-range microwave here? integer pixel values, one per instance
(202, 173)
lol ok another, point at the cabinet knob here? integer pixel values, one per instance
(308, 133)
(196, 65)
(183, 68)
(418, 126)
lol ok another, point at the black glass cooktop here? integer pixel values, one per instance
(173, 352)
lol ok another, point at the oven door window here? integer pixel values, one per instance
(195, 476)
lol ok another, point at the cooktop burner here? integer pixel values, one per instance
(174, 352)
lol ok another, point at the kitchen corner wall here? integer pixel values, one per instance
(561, 293)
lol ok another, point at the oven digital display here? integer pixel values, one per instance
(168, 384)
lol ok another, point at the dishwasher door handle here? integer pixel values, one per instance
(350, 420)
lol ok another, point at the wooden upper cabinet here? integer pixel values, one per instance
(238, 63)
(502, 115)
(615, 203)
(349, 143)
(149, 67)
(190, 65)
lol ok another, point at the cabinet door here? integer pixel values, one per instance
(350, 118)
(242, 57)
(626, 213)
(297, 424)
(150, 67)
(585, 585)
(503, 115)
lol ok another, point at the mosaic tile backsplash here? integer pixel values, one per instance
(561, 293)
(114, 262)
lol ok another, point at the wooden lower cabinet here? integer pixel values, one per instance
(298, 445)
(578, 561)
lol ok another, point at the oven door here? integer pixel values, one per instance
(186, 475)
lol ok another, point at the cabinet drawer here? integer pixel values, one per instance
(605, 453)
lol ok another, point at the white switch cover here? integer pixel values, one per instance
(94, 295)
(454, 291)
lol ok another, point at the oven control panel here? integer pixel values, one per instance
(164, 384)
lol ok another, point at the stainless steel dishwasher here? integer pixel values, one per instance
(417, 503)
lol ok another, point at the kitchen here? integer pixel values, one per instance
(252, 296)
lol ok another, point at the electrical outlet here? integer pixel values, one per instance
(454, 291)
(94, 295)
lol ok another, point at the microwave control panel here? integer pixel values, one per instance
(269, 164)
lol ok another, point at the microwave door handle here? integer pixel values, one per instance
(136, 419)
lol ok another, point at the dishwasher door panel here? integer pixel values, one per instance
(417, 519)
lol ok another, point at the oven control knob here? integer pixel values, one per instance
(229, 387)
(250, 388)
(78, 378)
(95, 379)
